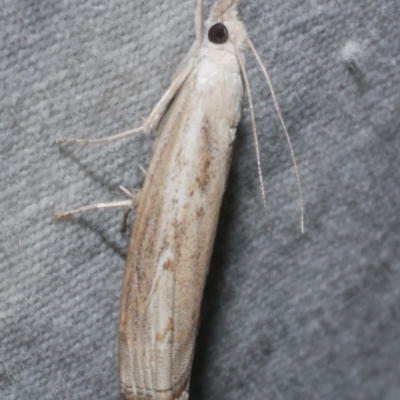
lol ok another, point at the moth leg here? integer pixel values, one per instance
(155, 117)
(130, 204)
(108, 139)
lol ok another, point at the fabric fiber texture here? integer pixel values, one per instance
(285, 316)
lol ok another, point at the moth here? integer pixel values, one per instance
(179, 204)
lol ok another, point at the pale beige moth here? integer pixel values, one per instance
(178, 207)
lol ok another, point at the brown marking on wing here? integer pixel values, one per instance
(161, 335)
(168, 265)
(200, 212)
(203, 177)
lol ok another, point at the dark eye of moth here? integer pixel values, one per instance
(218, 33)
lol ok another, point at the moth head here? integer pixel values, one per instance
(224, 27)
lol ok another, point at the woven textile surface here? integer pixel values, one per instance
(285, 316)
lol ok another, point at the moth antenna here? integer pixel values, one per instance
(199, 20)
(99, 206)
(108, 139)
(254, 126)
(278, 110)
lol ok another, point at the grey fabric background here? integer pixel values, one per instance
(286, 316)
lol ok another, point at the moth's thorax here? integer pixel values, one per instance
(218, 84)
(212, 59)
